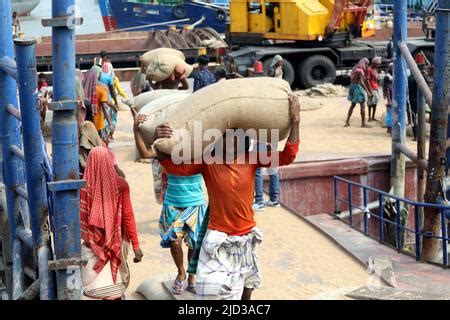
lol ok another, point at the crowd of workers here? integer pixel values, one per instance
(221, 235)
(366, 82)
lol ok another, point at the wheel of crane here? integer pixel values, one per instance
(316, 69)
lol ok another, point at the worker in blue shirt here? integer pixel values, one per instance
(203, 77)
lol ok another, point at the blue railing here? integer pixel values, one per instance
(381, 196)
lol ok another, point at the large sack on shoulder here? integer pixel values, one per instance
(149, 55)
(162, 66)
(251, 103)
(145, 98)
(157, 112)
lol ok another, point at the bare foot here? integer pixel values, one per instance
(365, 126)
(191, 279)
(347, 124)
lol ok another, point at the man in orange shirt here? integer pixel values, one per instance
(102, 113)
(227, 266)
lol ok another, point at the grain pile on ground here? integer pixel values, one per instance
(324, 90)
(309, 98)
(251, 103)
(310, 104)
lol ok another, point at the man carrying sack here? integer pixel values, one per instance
(227, 264)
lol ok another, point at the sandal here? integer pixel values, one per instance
(178, 286)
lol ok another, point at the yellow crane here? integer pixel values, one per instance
(299, 20)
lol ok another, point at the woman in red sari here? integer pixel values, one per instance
(107, 227)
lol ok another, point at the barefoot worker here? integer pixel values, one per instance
(181, 215)
(227, 265)
(359, 90)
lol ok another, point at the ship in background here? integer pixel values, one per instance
(159, 15)
(24, 7)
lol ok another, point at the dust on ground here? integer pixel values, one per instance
(323, 135)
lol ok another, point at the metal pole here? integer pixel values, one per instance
(438, 132)
(12, 166)
(350, 206)
(366, 220)
(18, 273)
(399, 104)
(34, 157)
(66, 183)
(421, 149)
(422, 85)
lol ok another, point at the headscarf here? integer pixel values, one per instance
(101, 210)
(275, 60)
(376, 60)
(97, 70)
(390, 67)
(98, 61)
(108, 68)
(90, 86)
(360, 67)
(89, 139)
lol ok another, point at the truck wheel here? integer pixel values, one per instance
(288, 70)
(315, 70)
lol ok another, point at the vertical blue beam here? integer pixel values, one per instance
(34, 158)
(12, 167)
(399, 104)
(65, 150)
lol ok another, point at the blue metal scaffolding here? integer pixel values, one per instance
(37, 208)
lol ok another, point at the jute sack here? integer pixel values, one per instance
(153, 289)
(149, 55)
(162, 66)
(145, 98)
(251, 103)
(157, 112)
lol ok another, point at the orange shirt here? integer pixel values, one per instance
(99, 118)
(231, 189)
